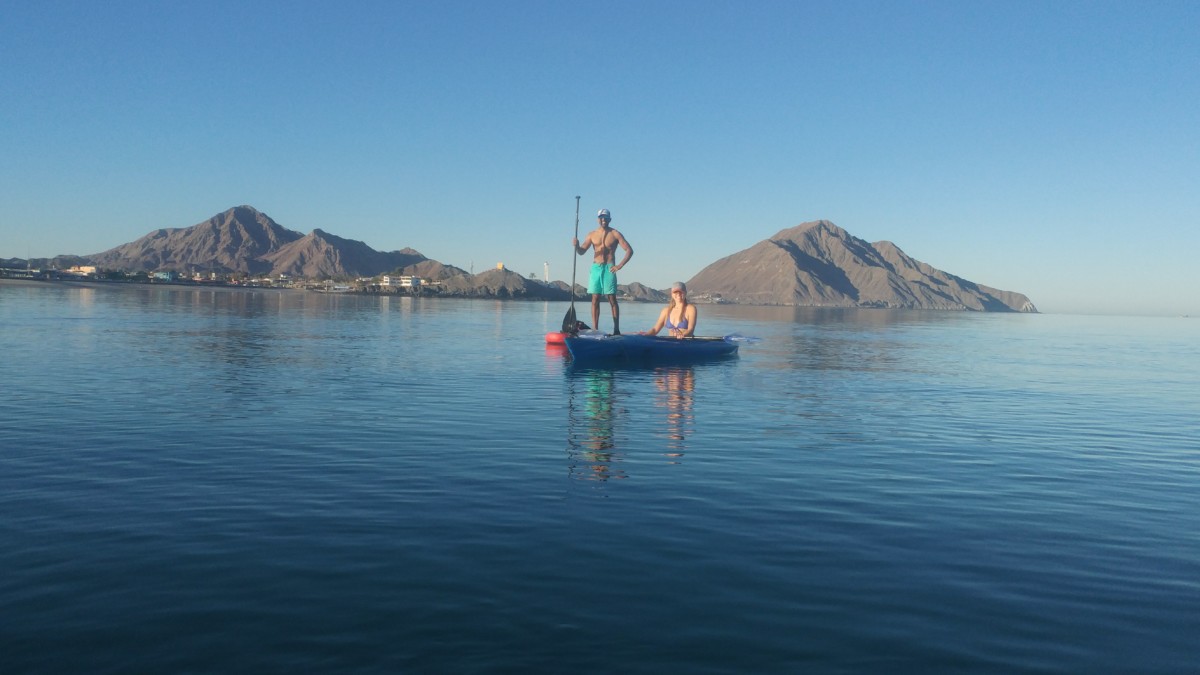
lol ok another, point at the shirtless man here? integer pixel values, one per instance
(604, 242)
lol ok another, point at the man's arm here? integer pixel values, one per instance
(628, 251)
(581, 251)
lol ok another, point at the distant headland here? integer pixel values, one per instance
(813, 264)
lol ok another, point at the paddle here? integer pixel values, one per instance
(570, 323)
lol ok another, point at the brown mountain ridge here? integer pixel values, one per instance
(245, 240)
(820, 264)
(812, 264)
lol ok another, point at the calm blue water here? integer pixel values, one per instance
(235, 481)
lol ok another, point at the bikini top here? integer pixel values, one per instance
(682, 325)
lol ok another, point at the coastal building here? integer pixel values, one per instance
(400, 282)
(81, 271)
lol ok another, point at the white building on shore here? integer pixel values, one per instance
(400, 282)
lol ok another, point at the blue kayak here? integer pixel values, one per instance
(594, 347)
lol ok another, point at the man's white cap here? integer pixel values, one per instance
(603, 214)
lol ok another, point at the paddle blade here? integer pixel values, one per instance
(569, 321)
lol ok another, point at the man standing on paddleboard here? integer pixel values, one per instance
(604, 242)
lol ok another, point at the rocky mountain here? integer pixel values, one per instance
(641, 293)
(812, 264)
(248, 241)
(58, 262)
(320, 255)
(500, 283)
(820, 264)
(635, 291)
(431, 269)
(233, 241)
(492, 283)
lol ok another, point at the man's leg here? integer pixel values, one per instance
(612, 300)
(596, 311)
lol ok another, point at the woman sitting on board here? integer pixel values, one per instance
(679, 317)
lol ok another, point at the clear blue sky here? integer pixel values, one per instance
(1050, 148)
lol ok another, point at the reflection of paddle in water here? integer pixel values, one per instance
(676, 386)
(590, 431)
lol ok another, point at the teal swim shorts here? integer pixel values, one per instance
(603, 280)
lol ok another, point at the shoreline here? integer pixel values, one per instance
(96, 283)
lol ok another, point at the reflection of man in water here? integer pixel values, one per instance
(598, 403)
(596, 446)
(676, 385)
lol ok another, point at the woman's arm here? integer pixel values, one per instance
(690, 313)
(662, 321)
